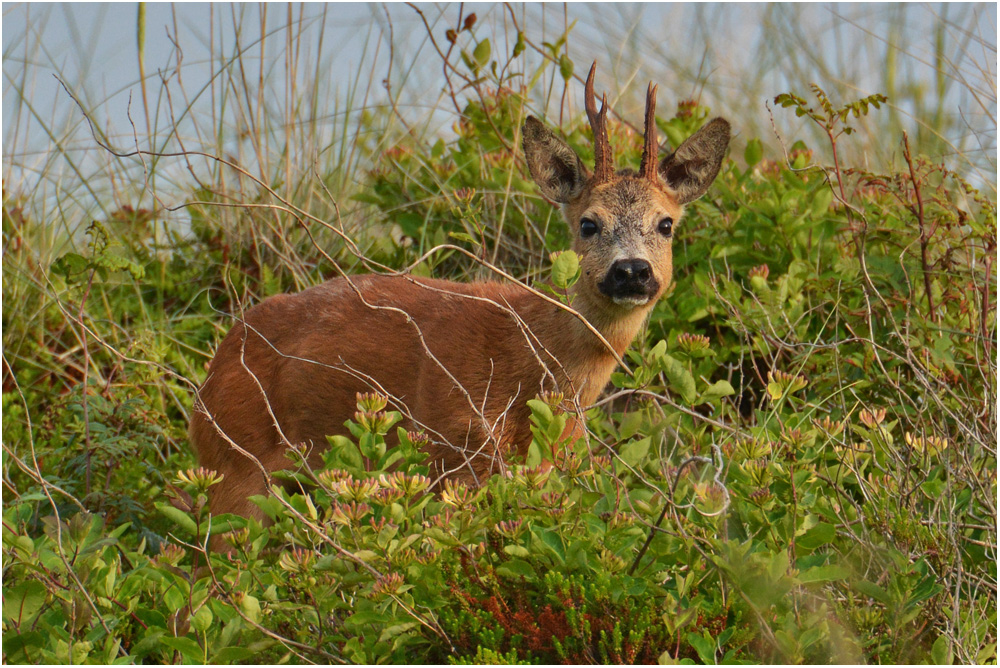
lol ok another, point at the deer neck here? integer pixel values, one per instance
(619, 325)
(584, 360)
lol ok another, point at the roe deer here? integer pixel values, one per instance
(459, 360)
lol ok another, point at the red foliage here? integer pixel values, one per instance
(541, 629)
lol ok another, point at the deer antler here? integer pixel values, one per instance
(603, 166)
(648, 166)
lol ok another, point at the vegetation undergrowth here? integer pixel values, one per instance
(799, 465)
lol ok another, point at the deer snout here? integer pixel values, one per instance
(630, 282)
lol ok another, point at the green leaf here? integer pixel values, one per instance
(231, 655)
(717, 390)
(565, 67)
(472, 66)
(675, 135)
(754, 152)
(271, 505)
(553, 541)
(482, 53)
(371, 446)
(367, 198)
(516, 550)
(824, 574)
(872, 590)
(151, 618)
(70, 265)
(775, 391)
(181, 519)
(719, 252)
(189, 649)
(778, 565)
(540, 411)
(467, 238)
(629, 425)
(202, 619)
(941, 651)
(519, 46)
(680, 378)
(704, 645)
(344, 453)
(565, 269)
(556, 427)
(657, 351)
(174, 598)
(821, 202)
(397, 629)
(221, 524)
(75, 653)
(516, 568)
(436, 151)
(634, 452)
(251, 608)
(14, 644)
(821, 534)
(363, 617)
(534, 457)
(23, 601)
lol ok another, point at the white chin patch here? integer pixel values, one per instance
(631, 301)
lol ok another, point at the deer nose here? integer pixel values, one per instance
(631, 271)
(630, 281)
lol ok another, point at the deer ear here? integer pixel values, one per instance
(554, 166)
(690, 170)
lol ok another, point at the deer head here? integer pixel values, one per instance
(623, 220)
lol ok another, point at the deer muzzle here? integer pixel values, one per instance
(630, 282)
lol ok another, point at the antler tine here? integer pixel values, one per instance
(648, 166)
(603, 167)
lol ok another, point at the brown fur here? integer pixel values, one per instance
(459, 360)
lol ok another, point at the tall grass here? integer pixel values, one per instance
(265, 84)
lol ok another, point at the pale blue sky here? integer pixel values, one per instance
(714, 51)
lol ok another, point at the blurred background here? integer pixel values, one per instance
(257, 82)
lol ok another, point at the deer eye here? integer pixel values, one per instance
(588, 228)
(666, 227)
